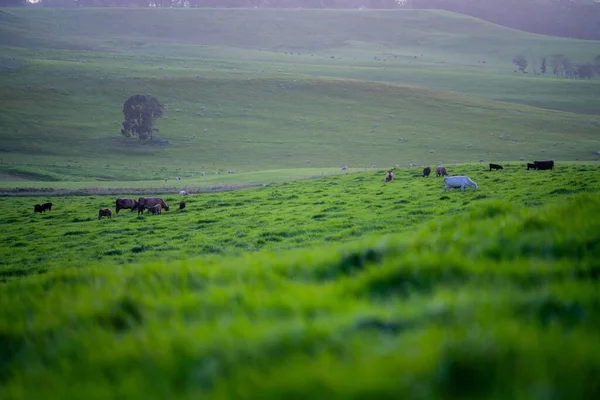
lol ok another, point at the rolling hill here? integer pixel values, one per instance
(251, 90)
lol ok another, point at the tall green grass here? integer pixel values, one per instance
(497, 302)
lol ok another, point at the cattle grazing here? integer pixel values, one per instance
(495, 166)
(426, 171)
(531, 166)
(37, 208)
(183, 193)
(155, 209)
(47, 206)
(147, 202)
(182, 205)
(459, 182)
(123, 204)
(389, 176)
(104, 212)
(544, 164)
(441, 171)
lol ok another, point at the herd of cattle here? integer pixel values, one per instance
(461, 181)
(155, 205)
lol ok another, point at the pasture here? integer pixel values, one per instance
(276, 216)
(311, 280)
(490, 293)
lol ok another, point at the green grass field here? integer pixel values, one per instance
(286, 275)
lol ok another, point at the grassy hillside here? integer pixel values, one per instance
(500, 301)
(307, 88)
(277, 216)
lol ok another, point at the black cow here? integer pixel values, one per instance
(47, 206)
(495, 166)
(182, 205)
(426, 171)
(441, 171)
(37, 208)
(544, 164)
(122, 204)
(531, 166)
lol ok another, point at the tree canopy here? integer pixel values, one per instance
(141, 111)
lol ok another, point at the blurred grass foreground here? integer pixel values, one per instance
(501, 302)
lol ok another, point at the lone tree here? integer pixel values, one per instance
(521, 62)
(141, 111)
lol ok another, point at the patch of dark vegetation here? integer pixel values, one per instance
(402, 201)
(319, 217)
(9, 221)
(420, 212)
(333, 209)
(549, 310)
(444, 198)
(139, 249)
(404, 280)
(10, 347)
(358, 260)
(76, 219)
(564, 191)
(480, 197)
(123, 315)
(207, 221)
(19, 244)
(74, 233)
(381, 326)
(113, 252)
(467, 369)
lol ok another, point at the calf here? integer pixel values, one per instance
(182, 205)
(155, 209)
(459, 182)
(544, 164)
(389, 176)
(441, 171)
(104, 212)
(495, 166)
(426, 171)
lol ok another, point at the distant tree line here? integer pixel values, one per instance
(568, 18)
(561, 67)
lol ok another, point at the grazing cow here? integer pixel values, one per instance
(182, 205)
(459, 182)
(389, 176)
(155, 209)
(426, 171)
(104, 212)
(147, 202)
(38, 208)
(544, 164)
(531, 166)
(183, 193)
(123, 204)
(495, 166)
(441, 171)
(47, 206)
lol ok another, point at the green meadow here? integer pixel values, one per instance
(287, 275)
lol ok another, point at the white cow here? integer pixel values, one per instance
(459, 182)
(183, 193)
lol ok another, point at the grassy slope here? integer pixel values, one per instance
(278, 216)
(254, 107)
(498, 302)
